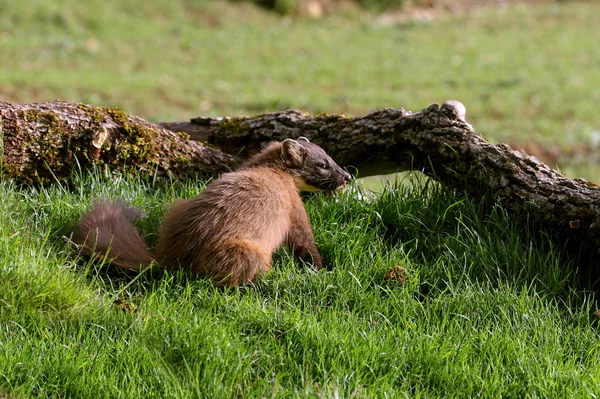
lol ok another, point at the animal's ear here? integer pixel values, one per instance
(293, 153)
(302, 138)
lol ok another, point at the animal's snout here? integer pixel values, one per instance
(347, 177)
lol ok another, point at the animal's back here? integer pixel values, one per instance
(233, 226)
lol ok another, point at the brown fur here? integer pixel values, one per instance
(231, 229)
(98, 230)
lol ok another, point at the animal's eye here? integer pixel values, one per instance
(323, 165)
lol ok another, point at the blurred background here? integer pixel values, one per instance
(527, 71)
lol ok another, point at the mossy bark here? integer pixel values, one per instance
(48, 141)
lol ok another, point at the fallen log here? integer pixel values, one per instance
(437, 141)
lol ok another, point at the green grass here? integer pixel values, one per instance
(523, 72)
(487, 308)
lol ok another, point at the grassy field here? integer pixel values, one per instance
(522, 71)
(428, 293)
(478, 307)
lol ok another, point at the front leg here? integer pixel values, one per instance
(301, 240)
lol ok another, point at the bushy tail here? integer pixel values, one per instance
(108, 231)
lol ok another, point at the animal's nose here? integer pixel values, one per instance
(347, 177)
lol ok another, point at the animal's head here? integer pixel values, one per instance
(311, 168)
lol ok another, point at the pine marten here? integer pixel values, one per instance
(230, 230)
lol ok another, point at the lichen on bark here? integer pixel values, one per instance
(47, 141)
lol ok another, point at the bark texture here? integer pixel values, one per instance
(46, 141)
